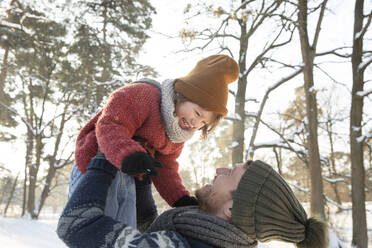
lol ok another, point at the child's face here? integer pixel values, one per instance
(193, 117)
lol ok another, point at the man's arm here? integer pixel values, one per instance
(83, 223)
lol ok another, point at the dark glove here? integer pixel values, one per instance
(185, 201)
(140, 163)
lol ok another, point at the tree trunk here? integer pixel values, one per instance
(5, 190)
(360, 237)
(33, 171)
(52, 162)
(105, 76)
(239, 120)
(24, 198)
(46, 190)
(4, 72)
(11, 194)
(332, 167)
(31, 191)
(28, 164)
(317, 200)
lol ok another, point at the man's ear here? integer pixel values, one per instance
(227, 209)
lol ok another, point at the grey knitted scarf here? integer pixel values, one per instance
(210, 229)
(167, 108)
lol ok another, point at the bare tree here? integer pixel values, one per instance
(59, 65)
(14, 40)
(332, 159)
(251, 147)
(54, 160)
(308, 53)
(238, 26)
(360, 237)
(11, 194)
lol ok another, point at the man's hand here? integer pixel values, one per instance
(185, 201)
(140, 163)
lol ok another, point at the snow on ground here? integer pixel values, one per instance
(24, 233)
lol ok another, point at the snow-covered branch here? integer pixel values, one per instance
(364, 93)
(263, 102)
(63, 113)
(18, 27)
(282, 143)
(365, 28)
(336, 204)
(64, 162)
(364, 65)
(334, 180)
(299, 188)
(335, 52)
(28, 125)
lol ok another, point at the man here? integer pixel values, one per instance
(244, 204)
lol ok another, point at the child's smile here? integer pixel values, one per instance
(193, 117)
(184, 124)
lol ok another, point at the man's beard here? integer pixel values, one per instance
(206, 200)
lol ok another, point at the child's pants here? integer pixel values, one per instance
(121, 199)
(146, 208)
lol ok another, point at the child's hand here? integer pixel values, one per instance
(140, 163)
(185, 201)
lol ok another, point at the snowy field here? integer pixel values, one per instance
(23, 233)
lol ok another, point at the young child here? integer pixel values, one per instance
(142, 130)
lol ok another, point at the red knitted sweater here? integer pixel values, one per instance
(133, 110)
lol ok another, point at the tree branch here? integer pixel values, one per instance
(365, 28)
(333, 51)
(263, 102)
(286, 145)
(364, 65)
(28, 125)
(320, 19)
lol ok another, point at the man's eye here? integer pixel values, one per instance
(197, 113)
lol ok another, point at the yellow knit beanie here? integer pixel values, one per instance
(206, 84)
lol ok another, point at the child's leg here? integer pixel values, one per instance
(121, 199)
(75, 178)
(121, 196)
(146, 208)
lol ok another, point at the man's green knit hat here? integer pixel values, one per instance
(265, 207)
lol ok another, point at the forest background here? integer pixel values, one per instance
(302, 102)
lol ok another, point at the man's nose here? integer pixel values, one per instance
(223, 171)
